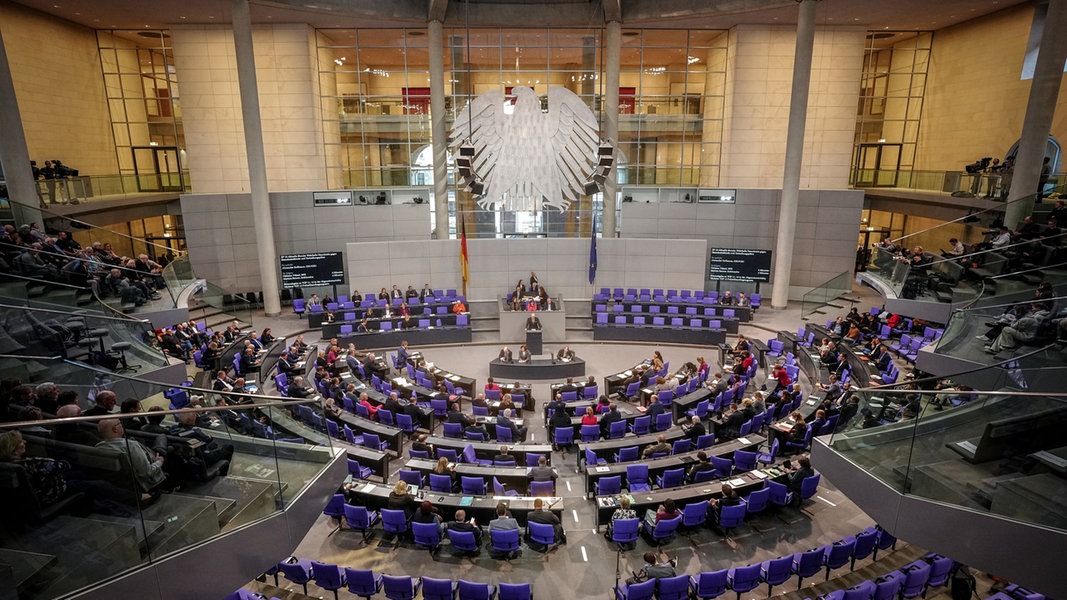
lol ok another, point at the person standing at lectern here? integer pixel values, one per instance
(533, 323)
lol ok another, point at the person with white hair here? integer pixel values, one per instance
(517, 432)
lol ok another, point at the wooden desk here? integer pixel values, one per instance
(488, 450)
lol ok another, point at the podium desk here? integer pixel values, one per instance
(533, 342)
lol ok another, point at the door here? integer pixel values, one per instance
(157, 168)
(877, 165)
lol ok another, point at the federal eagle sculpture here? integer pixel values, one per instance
(508, 159)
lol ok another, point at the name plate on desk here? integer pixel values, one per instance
(744, 441)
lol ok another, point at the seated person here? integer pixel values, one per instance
(703, 464)
(546, 517)
(542, 472)
(428, 514)
(803, 471)
(661, 446)
(653, 569)
(401, 499)
(565, 354)
(474, 428)
(505, 355)
(666, 511)
(459, 308)
(461, 524)
(147, 463)
(524, 354)
(621, 513)
(504, 420)
(729, 498)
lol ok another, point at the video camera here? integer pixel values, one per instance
(979, 165)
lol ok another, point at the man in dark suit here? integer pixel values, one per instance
(703, 464)
(396, 293)
(505, 355)
(474, 428)
(297, 389)
(729, 498)
(426, 292)
(568, 386)
(565, 354)
(402, 355)
(612, 416)
(545, 517)
(696, 429)
(542, 472)
(454, 416)
(392, 404)
(461, 524)
(533, 323)
(654, 408)
(504, 420)
(222, 383)
(731, 427)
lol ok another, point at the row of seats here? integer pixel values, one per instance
(712, 584)
(668, 295)
(365, 583)
(602, 320)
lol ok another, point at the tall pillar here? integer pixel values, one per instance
(257, 166)
(794, 154)
(438, 135)
(1044, 89)
(613, 46)
(14, 157)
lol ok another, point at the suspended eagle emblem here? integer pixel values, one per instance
(551, 156)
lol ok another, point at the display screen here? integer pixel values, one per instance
(310, 270)
(740, 264)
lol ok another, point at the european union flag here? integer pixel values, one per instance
(592, 254)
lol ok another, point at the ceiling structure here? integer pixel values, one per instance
(688, 14)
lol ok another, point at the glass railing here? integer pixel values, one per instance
(994, 186)
(970, 331)
(178, 274)
(889, 269)
(824, 294)
(40, 327)
(1000, 452)
(94, 188)
(529, 221)
(89, 498)
(214, 300)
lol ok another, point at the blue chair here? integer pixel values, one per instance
(396, 523)
(590, 433)
(532, 459)
(838, 554)
(472, 485)
(405, 423)
(637, 591)
(941, 569)
(885, 540)
(626, 454)
(363, 582)
(671, 478)
(563, 437)
(637, 478)
(400, 587)
(542, 488)
(617, 430)
(411, 477)
(780, 494)
(744, 460)
(724, 467)
(673, 588)
(499, 490)
(776, 571)
(694, 514)
(465, 542)
(438, 589)
(744, 579)
(418, 454)
(426, 535)
(663, 421)
(448, 453)
(608, 485)
(335, 509)
(328, 577)
(503, 434)
(358, 471)
(361, 519)
(768, 458)
(916, 574)
(471, 457)
(663, 532)
(471, 590)
(514, 591)
(441, 483)
(806, 564)
(453, 430)
(706, 441)
(866, 542)
(709, 585)
(757, 501)
(297, 572)
(625, 531)
(505, 543)
(372, 441)
(541, 535)
(731, 516)
(641, 425)
(809, 485)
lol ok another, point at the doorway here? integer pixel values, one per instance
(157, 168)
(877, 165)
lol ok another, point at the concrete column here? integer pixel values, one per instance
(14, 157)
(257, 166)
(613, 46)
(794, 154)
(438, 135)
(1044, 89)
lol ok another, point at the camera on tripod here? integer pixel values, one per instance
(979, 165)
